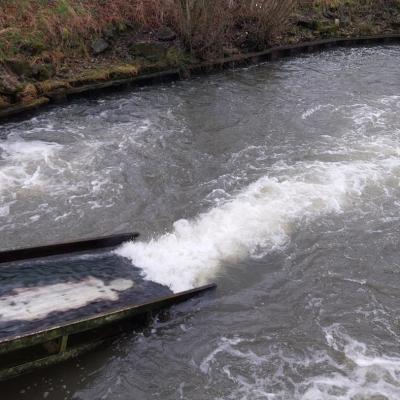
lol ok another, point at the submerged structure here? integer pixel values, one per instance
(51, 335)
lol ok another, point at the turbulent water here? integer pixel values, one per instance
(280, 182)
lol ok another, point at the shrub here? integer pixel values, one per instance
(206, 25)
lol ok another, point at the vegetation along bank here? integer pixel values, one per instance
(52, 47)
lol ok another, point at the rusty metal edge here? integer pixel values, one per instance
(65, 248)
(272, 54)
(12, 343)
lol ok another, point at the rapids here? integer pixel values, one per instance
(280, 182)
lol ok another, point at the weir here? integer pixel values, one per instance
(65, 248)
(27, 349)
(24, 353)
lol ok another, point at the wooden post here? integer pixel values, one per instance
(63, 344)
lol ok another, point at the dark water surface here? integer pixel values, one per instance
(280, 182)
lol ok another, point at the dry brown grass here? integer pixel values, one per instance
(207, 25)
(51, 86)
(61, 26)
(124, 71)
(51, 29)
(29, 93)
(33, 26)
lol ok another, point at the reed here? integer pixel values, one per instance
(206, 26)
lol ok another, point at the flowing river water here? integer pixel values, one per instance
(279, 182)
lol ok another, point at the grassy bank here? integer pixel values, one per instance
(32, 27)
(48, 45)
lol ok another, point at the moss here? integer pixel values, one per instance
(92, 76)
(105, 74)
(176, 57)
(49, 86)
(151, 68)
(149, 51)
(328, 29)
(124, 71)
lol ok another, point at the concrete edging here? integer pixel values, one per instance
(241, 60)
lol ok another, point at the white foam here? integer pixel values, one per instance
(364, 373)
(225, 345)
(260, 218)
(309, 112)
(346, 369)
(266, 373)
(24, 162)
(28, 150)
(29, 304)
(4, 210)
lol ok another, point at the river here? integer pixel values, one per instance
(279, 182)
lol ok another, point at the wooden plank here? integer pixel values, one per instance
(65, 248)
(64, 343)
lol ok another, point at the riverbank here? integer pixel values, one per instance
(124, 53)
